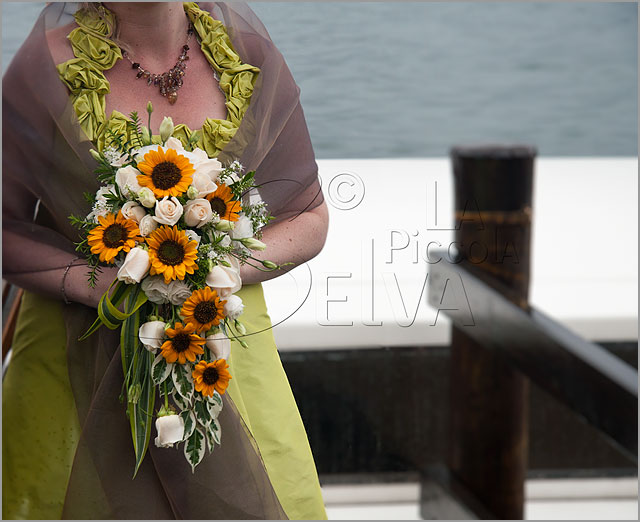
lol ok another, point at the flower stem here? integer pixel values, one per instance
(166, 396)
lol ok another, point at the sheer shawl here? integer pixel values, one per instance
(47, 166)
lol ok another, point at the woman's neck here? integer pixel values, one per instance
(154, 32)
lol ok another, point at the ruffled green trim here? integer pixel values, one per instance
(95, 52)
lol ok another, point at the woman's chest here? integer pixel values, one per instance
(199, 97)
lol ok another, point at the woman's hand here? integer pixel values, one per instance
(77, 289)
(290, 241)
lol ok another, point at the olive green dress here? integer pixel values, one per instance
(38, 408)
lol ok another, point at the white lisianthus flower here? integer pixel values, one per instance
(170, 430)
(224, 225)
(224, 279)
(253, 244)
(155, 289)
(224, 242)
(152, 335)
(178, 292)
(233, 307)
(242, 228)
(197, 212)
(132, 210)
(166, 129)
(146, 197)
(168, 210)
(192, 235)
(220, 345)
(175, 144)
(101, 194)
(136, 265)
(147, 225)
(127, 180)
(192, 192)
(202, 182)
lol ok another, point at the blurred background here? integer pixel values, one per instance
(387, 89)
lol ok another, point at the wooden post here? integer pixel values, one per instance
(488, 445)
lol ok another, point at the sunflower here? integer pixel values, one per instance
(182, 345)
(171, 253)
(223, 204)
(113, 234)
(210, 377)
(165, 173)
(203, 309)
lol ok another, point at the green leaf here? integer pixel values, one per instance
(183, 380)
(160, 369)
(180, 401)
(189, 423)
(140, 414)
(194, 448)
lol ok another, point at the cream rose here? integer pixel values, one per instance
(203, 184)
(197, 212)
(220, 345)
(101, 194)
(152, 335)
(132, 210)
(168, 210)
(147, 225)
(135, 266)
(127, 180)
(170, 430)
(211, 167)
(155, 289)
(233, 307)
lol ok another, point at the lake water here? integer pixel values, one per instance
(396, 79)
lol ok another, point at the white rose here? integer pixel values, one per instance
(168, 210)
(146, 197)
(193, 236)
(242, 228)
(135, 266)
(233, 307)
(127, 180)
(101, 194)
(170, 430)
(197, 212)
(220, 345)
(131, 210)
(147, 225)
(155, 289)
(151, 335)
(224, 279)
(178, 292)
(203, 184)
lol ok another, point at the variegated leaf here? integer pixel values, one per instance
(180, 401)
(183, 380)
(210, 441)
(160, 369)
(202, 413)
(194, 448)
(214, 408)
(189, 423)
(215, 430)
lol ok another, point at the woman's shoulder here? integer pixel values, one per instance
(59, 45)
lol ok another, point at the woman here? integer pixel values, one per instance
(67, 446)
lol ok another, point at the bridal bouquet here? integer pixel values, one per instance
(178, 225)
